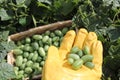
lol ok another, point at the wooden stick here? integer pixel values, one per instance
(40, 29)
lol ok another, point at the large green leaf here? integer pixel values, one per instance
(27, 2)
(114, 33)
(4, 35)
(114, 3)
(6, 71)
(4, 15)
(22, 21)
(64, 6)
(3, 53)
(1, 1)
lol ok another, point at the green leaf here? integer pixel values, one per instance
(1, 1)
(27, 2)
(112, 62)
(22, 21)
(46, 1)
(64, 7)
(114, 3)
(4, 15)
(3, 53)
(40, 4)
(4, 35)
(19, 2)
(6, 47)
(6, 71)
(67, 7)
(76, 1)
(114, 33)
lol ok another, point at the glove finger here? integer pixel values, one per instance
(91, 37)
(53, 53)
(97, 52)
(80, 38)
(52, 61)
(67, 44)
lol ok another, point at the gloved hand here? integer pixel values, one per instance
(56, 66)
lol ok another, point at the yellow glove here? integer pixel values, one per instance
(56, 66)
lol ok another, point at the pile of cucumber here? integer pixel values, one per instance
(31, 52)
(77, 58)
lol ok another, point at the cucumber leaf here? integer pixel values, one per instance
(4, 15)
(6, 71)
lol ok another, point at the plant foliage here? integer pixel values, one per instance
(6, 70)
(103, 17)
(19, 15)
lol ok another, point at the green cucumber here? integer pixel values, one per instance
(19, 61)
(73, 56)
(17, 51)
(37, 37)
(75, 49)
(89, 65)
(28, 70)
(70, 60)
(87, 58)
(41, 51)
(86, 50)
(77, 64)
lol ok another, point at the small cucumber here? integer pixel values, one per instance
(80, 53)
(86, 50)
(30, 56)
(64, 30)
(17, 51)
(35, 56)
(29, 63)
(89, 65)
(35, 66)
(46, 47)
(40, 43)
(25, 54)
(27, 40)
(39, 59)
(87, 58)
(19, 61)
(35, 45)
(75, 49)
(37, 37)
(55, 39)
(41, 52)
(45, 39)
(73, 56)
(52, 34)
(49, 41)
(24, 60)
(22, 66)
(47, 32)
(42, 63)
(77, 64)
(21, 72)
(56, 43)
(28, 70)
(21, 47)
(58, 33)
(70, 60)
(28, 48)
